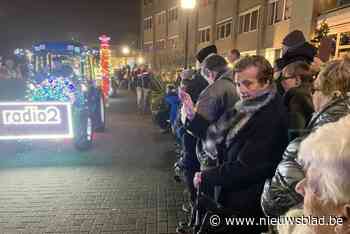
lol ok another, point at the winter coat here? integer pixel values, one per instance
(298, 101)
(279, 193)
(144, 80)
(306, 52)
(198, 84)
(213, 101)
(253, 148)
(173, 101)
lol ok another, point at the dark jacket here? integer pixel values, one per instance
(143, 80)
(213, 101)
(279, 193)
(251, 156)
(173, 101)
(305, 52)
(299, 104)
(198, 84)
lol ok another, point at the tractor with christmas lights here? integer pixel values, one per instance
(60, 94)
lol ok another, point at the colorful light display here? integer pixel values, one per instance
(105, 58)
(55, 89)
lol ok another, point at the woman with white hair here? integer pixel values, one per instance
(326, 186)
(331, 102)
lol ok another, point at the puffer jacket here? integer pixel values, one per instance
(279, 193)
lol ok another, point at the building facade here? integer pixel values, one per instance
(251, 26)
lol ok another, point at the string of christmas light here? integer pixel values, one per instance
(105, 54)
(55, 89)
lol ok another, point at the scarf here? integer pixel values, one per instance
(232, 122)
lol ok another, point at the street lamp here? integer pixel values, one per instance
(140, 60)
(187, 5)
(126, 50)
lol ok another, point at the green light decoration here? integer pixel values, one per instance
(55, 89)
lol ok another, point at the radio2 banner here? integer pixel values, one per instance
(35, 120)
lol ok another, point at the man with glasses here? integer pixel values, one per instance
(296, 81)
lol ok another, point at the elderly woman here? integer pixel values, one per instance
(331, 101)
(326, 186)
(247, 142)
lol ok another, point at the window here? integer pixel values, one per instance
(161, 17)
(160, 44)
(246, 22)
(204, 35)
(148, 46)
(203, 3)
(173, 14)
(254, 20)
(148, 24)
(173, 42)
(249, 21)
(288, 9)
(241, 22)
(342, 2)
(147, 2)
(279, 10)
(224, 29)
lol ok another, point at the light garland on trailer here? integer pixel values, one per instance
(55, 89)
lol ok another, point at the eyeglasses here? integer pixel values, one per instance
(287, 77)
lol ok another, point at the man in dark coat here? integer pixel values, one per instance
(297, 84)
(219, 96)
(143, 85)
(294, 48)
(249, 140)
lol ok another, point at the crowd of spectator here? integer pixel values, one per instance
(10, 70)
(260, 141)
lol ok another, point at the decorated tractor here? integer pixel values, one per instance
(58, 100)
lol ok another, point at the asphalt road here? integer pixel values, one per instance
(123, 185)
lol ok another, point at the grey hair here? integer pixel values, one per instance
(327, 151)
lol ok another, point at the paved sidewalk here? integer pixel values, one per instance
(123, 185)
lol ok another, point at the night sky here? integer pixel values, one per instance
(23, 22)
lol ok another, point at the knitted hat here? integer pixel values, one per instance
(203, 53)
(294, 39)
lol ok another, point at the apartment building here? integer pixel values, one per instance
(252, 26)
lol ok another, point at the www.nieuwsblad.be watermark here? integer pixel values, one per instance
(216, 221)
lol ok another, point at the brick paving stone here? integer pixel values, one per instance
(124, 184)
